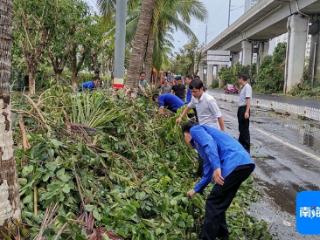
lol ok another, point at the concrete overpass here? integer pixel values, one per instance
(268, 19)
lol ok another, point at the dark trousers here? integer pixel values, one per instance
(218, 202)
(244, 137)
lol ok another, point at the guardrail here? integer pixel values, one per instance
(303, 111)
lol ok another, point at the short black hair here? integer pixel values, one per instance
(155, 96)
(196, 77)
(196, 84)
(142, 73)
(187, 126)
(190, 77)
(244, 77)
(178, 78)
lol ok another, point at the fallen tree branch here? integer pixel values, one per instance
(25, 143)
(48, 219)
(34, 105)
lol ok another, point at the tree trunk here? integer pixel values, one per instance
(9, 194)
(32, 82)
(57, 65)
(74, 70)
(149, 56)
(139, 44)
(74, 80)
(58, 74)
(76, 65)
(33, 57)
(95, 65)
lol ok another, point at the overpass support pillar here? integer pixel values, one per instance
(297, 39)
(263, 51)
(235, 58)
(314, 61)
(246, 53)
(200, 73)
(209, 75)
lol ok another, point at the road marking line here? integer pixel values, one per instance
(282, 141)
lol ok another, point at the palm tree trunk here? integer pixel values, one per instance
(139, 44)
(9, 194)
(149, 56)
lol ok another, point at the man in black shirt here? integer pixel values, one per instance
(179, 89)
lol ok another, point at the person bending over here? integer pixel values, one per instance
(168, 101)
(226, 163)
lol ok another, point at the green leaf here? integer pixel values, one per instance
(22, 181)
(66, 188)
(27, 170)
(63, 176)
(56, 143)
(46, 177)
(27, 199)
(89, 207)
(96, 214)
(52, 166)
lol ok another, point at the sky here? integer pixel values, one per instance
(216, 22)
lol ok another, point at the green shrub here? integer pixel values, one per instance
(271, 73)
(215, 84)
(230, 74)
(305, 90)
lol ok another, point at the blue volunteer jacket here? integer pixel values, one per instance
(88, 85)
(189, 96)
(218, 150)
(171, 101)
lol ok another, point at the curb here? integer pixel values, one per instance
(303, 111)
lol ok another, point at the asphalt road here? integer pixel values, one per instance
(287, 155)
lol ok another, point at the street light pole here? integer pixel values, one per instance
(120, 44)
(229, 13)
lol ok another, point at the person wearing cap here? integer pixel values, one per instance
(168, 101)
(226, 163)
(179, 89)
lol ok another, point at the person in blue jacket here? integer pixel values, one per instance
(226, 163)
(91, 85)
(169, 101)
(189, 79)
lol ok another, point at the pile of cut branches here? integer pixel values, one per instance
(101, 166)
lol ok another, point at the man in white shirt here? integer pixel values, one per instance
(208, 111)
(245, 97)
(207, 108)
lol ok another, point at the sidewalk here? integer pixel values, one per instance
(305, 108)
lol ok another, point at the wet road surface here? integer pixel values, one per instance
(287, 155)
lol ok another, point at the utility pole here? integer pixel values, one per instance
(120, 44)
(206, 34)
(229, 11)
